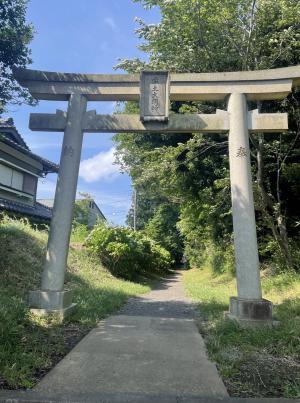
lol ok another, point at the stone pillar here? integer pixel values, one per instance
(52, 297)
(249, 305)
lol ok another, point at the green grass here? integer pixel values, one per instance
(79, 233)
(252, 362)
(30, 346)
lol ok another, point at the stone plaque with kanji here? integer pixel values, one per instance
(154, 98)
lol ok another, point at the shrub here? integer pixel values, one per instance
(79, 232)
(127, 253)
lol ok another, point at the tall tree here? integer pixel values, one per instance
(221, 35)
(15, 36)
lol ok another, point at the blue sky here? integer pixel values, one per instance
(83, 36)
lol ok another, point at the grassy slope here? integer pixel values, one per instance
(29, 346)
(261, 362)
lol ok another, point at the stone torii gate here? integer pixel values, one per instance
(154, 89)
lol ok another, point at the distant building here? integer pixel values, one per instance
(19, 173)
(94, 213)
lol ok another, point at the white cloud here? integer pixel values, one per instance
(101, 166)
(111, 23)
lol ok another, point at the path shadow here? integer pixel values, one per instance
(159, 309)
(164, 282)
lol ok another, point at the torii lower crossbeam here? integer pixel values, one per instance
(187, 123)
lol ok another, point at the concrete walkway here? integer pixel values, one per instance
(151, 348)
(151, 351)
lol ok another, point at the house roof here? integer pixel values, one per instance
(10, 136)
(49, 203)
(37, 210)
(97, 207)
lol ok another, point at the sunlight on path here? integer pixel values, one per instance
(150, 348)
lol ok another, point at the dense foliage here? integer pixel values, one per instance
(189, 173)
(15, 35)
(127, 253)
(162, 228)
(81, 212)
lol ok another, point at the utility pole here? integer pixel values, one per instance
(134, 209)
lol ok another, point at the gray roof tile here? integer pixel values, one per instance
(37, 210)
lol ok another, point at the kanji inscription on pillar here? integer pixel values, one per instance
(68, 151)
(154, 96)
(241, 152)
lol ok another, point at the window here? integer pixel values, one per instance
(17, 180)
(29, 184)
(5, 175)
(11, 178)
